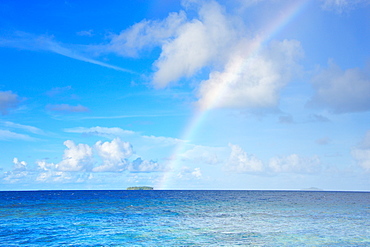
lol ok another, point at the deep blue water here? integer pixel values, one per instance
(184, 218)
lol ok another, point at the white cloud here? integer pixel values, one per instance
(139, 165)
(145, 34)
(196, 44)
(22, 40)
(48, 173)
(114, 155)
(162, 140)
(187, 173)
(197, 173)
(295, 164)
(362, 156)
(8, 100)
(118, 132)
(44, 173)
(247, 74)
(342, 5)
(67, 108)
(76, 158)
(251, 80)
(101, 131)
(19, 165)
(240, 162)
(252, 75)
(361, 153)
(203, 154)
(19, 172)
(44, 166)
(77, 165)
(9, 135)
(28, 128)
(342, 91)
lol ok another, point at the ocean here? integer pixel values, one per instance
(184, 218)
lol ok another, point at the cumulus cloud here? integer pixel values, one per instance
(361, 153)
(56, 177)
(187, 173)
(341, 91)
(76, 158)
(362, 156)
(114, 155)
(252, 81)
(79, 163)
(19, 172)
(67, 108)
(240, 162)
(8, 100)
(244, 72)
(44, 172)
(139, 165)
(145, 34)
(19, 165)
(44, 166)
(197, 173)
(203, 154)
(295, 164)
(204, 35)
(48, 173)
(197, 43)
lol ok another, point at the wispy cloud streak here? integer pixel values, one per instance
(26, 41)
(27, 128)
(9, 135)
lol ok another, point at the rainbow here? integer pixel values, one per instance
(267, 34)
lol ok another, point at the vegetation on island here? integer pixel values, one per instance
(140, 188)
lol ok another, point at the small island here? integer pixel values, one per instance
(140, 188)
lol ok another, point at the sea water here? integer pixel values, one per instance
(184, 218)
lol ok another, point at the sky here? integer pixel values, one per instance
(192, 94)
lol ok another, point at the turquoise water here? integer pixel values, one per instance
(184, 218)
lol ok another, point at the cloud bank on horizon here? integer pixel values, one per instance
(273, 100)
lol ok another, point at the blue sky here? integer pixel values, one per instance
(242, 94)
